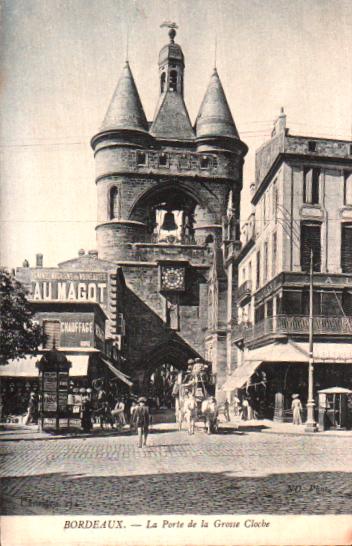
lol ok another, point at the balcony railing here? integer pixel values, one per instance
(285, 325)
(244, 290)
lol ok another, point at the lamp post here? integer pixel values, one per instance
(311, 425)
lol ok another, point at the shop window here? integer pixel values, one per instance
(312, 146)
(141, 158)
(311, 185)
(113, 203)
(346, 248)
(173, 80)
(310, 243)
(348, 188)
(163, 160)
(51, 330)
(204, 162)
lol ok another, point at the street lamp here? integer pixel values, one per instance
(311, 425)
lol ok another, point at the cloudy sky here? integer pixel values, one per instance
(61, 59)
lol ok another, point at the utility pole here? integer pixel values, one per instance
(311, 425)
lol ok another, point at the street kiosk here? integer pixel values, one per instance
(53, 390)
(334, 408)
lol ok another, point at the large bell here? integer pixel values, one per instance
(169, 223)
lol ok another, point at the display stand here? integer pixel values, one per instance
(53, 388)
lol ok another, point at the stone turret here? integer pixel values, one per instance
(214, 125)
(171, 119)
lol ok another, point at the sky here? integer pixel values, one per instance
(60, 62)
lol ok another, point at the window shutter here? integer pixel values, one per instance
(308, 185)
(310, 240)
(346, 248)
(52, 333)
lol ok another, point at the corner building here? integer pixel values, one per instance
(302, 205)
(166, 190)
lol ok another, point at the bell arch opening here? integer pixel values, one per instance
(169, 214)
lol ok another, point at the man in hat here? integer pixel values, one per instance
(141, 420)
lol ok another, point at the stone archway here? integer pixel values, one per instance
(162, 366)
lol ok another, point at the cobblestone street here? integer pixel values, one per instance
(220, 474)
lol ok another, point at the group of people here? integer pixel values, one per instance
(188, 412)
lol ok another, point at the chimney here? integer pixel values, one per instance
(279, 123)
(81, 252)
(39, 260)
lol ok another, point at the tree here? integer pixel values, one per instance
(19, 335)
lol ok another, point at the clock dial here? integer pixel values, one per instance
(172, 278)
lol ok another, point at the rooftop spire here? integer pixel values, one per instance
(125, 110)
(214, 117)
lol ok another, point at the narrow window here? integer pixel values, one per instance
(141, 158)
(113, 203)
(51, 330)
(275, 201)
(215, 162)
(204, 162)
(347, 188)
(265, 262)
(250, 272)
(315, 186)
(350, 149)
(346, 248)
(163, 160)
(310, 242)
(264, 209)
(173, 80)
(311, 186)
(258, 270)
(274, 254)
(312, 146)
(162, 82)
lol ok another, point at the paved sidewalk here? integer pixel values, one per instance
(16, 432)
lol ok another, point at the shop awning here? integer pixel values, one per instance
(292, 352)
(120, 375)
(23, 367)
(241, 375)
(26, 367)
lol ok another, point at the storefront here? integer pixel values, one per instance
(270, 375)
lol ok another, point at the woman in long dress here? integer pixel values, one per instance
(296, 407)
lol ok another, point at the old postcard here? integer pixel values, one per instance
(176, 272)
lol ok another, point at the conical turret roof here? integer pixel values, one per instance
(125, 110)
(171, 119)
(214, 117)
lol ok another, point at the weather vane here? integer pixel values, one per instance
(172, 29)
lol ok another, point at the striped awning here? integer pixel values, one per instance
(120, 375)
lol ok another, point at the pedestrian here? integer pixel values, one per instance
(296, 407)
(31, 409)
(142, 419)
(189, 410)
(86, 414)
(227, 410)
(236, 404)
(245, 405)
(119, 414)
(210, 410)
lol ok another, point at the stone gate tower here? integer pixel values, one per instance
(168, 204)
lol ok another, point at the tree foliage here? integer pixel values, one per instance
(19, 335)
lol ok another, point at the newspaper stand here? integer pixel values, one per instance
(334, 411)
(53, 387)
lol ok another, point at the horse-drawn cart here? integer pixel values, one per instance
(194, 403)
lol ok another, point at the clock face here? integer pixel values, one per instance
(173, 278)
